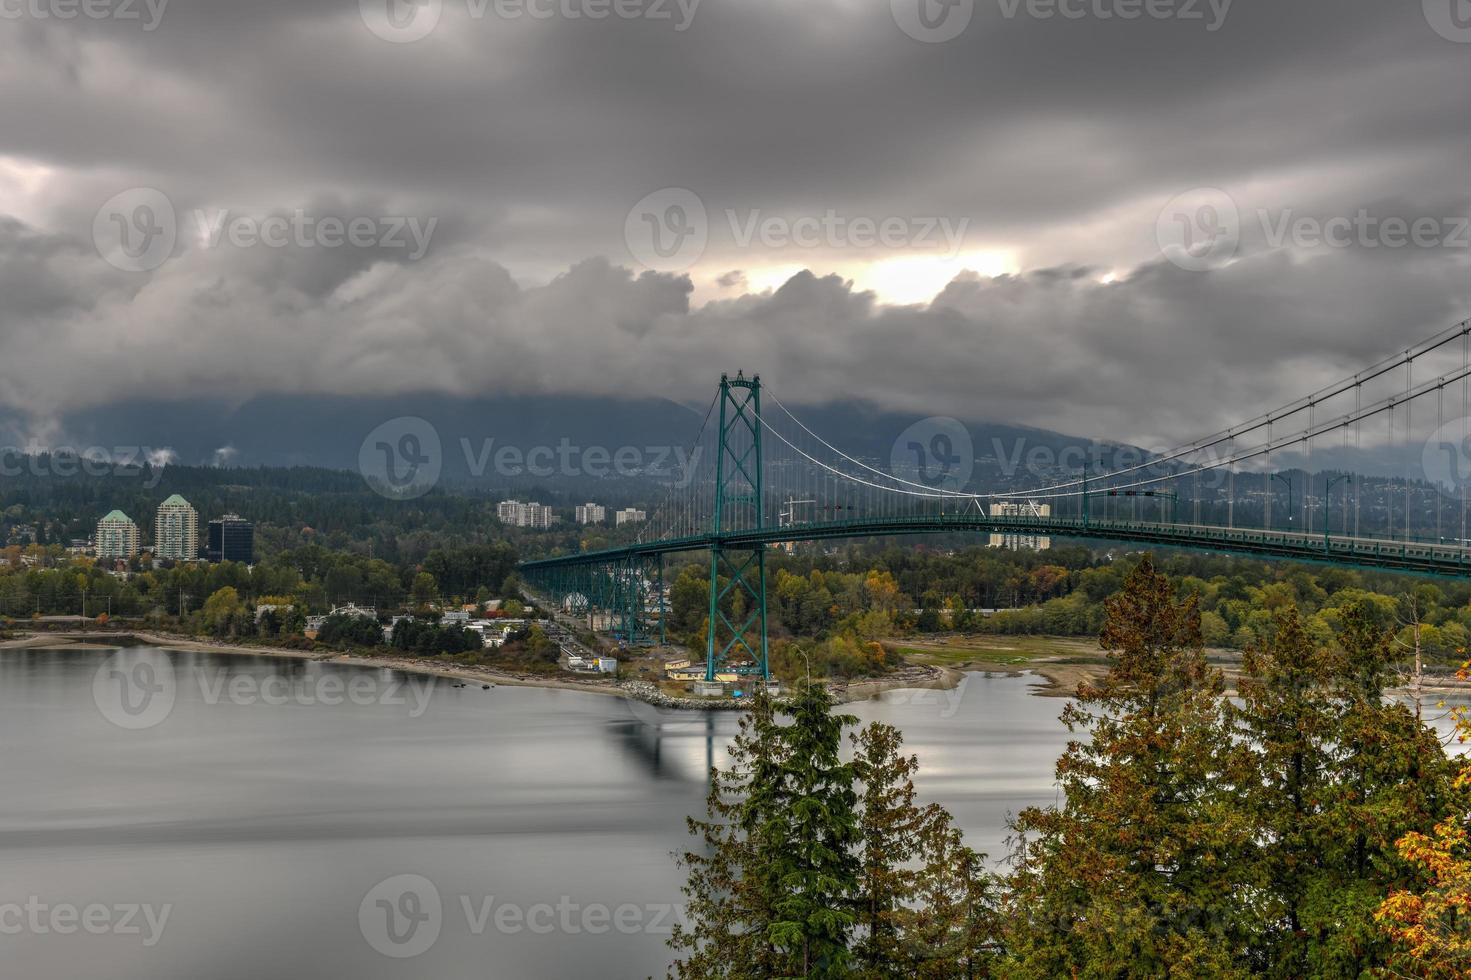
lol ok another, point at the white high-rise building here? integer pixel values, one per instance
(1015, 542)
(176, 530)
(517, 514)
(117, 536)
(591, 513)
(629, 515)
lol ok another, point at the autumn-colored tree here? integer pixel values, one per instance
(1391, 778)
(1432, 924)
(223, 611)
(1139, 871)
(951, 928)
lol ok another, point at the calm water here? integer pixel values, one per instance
(198, 815)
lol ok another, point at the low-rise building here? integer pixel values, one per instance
(281, 610)
(314, 623)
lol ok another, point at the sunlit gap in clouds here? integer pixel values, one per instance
(897, 280)
(21, 184)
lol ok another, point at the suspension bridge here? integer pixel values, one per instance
(1371, 471)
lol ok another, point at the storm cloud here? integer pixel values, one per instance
(350, 211)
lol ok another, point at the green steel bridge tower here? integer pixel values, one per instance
(740, 502)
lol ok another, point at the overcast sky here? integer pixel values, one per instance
(1133, 226)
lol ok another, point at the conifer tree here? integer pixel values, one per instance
(950, 928)
(771, 888)
(1289, 717)
(1391, 778)
(890, 829)
(1432, 924)
(1135, 872)
(811, 841)
(730, 889)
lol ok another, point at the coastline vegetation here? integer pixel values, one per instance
(1312, 827)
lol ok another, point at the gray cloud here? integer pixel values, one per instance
(528, 141)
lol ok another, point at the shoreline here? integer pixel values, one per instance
(1053, 680)
(912, 678)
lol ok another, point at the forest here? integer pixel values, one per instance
(1312, 827)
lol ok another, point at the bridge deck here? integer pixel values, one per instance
(1408, 556)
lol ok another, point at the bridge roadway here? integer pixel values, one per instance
(1421, 557)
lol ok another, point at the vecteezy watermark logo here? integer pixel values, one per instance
(65, 462)
(300, 229)
(1212, 12)
(840, 231)
(40, 918)
(401, 916)
(672, 464)
(932, 21)
(1451, 19)
(401, 21)
(945, 701)
(1199, 229)
(1446, 458)
(401, 459)
(135, 689)
(148, 12)
(667, 230)
(135, 230)
(936, 452)
(1363, 229)
(223, 686)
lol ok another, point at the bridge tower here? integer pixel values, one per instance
(737, 624)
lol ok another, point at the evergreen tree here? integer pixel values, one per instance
(950, 928)
(890, 828)
(730, 889)
(925, 907)
(811, 840)
(1288, 716)
(1136, 872)
(1391, 779)
(771, 888)
(1432, 924)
